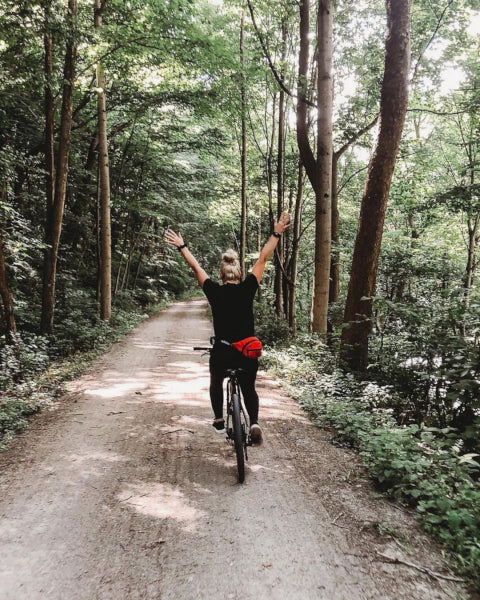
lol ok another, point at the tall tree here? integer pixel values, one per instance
(319, 167)
(295, 251)
(10, 325)
(280, 250)
(243, 144)
(393, 106)
(55, 205)
(103, 182)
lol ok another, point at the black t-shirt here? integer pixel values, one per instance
(232, 308)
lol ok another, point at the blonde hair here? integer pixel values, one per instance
(230, 267)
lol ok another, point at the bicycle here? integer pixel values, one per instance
(237, 424)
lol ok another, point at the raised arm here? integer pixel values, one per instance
(278, 228)
(176, 240)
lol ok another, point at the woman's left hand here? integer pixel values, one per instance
(282, 223)
(173, 238)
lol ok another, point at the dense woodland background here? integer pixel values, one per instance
(120, 118)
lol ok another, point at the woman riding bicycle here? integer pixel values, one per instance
(232, 310)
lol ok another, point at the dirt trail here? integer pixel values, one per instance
(124, 492)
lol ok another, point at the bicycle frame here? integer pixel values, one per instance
(232, 388)
(237, 424)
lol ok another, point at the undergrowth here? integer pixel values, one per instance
(419, 466)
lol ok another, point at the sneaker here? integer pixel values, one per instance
(219, 426)
(256, 434)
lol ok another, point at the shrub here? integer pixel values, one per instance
(22, 360)
(421, 466)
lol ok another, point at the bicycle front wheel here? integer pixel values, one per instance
(238, 438)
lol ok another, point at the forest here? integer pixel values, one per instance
(120, 119)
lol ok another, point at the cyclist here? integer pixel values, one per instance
(232, 310)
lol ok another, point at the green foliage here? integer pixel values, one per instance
(420, 466)
(14, 413)
(24, 359)
(270, 328)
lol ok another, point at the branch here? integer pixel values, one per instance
(125, 45)
(275, 73)
(279, 262)
(426, 570)
(355, 136)
(432, 37)
(257, 143)
(352, 176)
(437, 112)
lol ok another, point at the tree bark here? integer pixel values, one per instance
(293, 263)
(10, 324)
(319, 168)
(280, 250)
(393, 106)
(104, 183)
(9, 316)
(471, 253)
(53, 226)
(49, 114)
(334, 290)
(243, 151)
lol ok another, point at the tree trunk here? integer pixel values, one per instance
(324, 167)
(243, 151)
(334, 290)
(9, 316)
(471, 253)
(280, 250)
(319, 168)
(293, 264)
(53, 226)
(104, 184)
(10, 324)
(393, 106)
(269, 159)
(49, 114)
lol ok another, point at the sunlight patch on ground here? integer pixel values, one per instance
(116, 390)
(269, 402)
(189, 420)
(97, 456)
(257, 468)
(161, 501)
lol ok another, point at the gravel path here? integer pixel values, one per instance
(123, 492)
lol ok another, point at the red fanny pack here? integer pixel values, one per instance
(250, 347)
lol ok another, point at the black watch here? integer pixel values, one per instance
(179, 248)
(277, 235)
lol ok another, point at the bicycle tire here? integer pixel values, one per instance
(238, 438)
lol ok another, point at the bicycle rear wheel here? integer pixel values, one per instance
(238, 438)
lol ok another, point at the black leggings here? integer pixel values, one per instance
(229, 358)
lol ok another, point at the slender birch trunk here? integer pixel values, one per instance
(243, 151)
(293, 264)
(319, 167)
(9, 315)
(104, 183)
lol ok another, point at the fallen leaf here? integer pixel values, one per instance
(267, 565)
